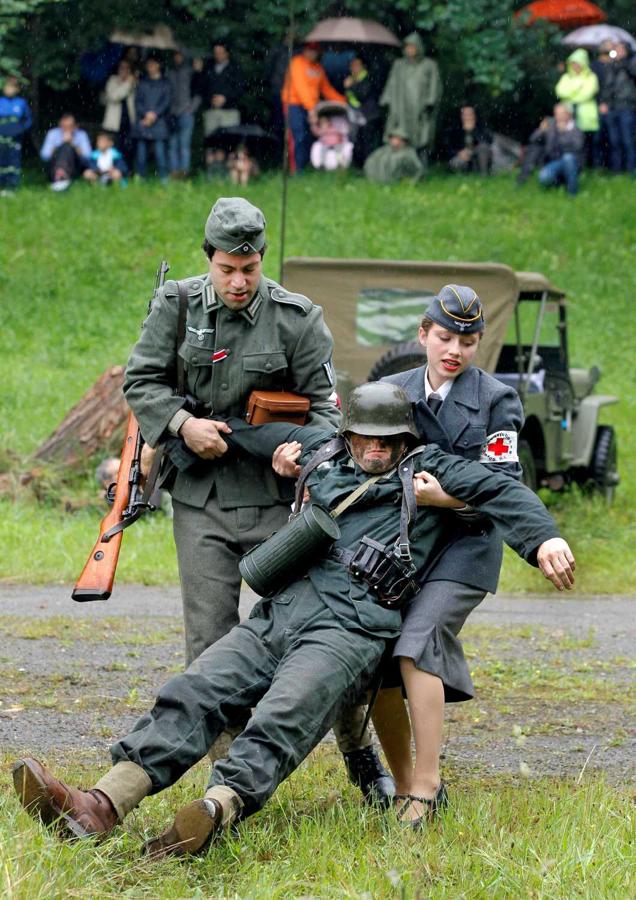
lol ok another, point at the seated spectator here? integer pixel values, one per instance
(578, 88)
(472, 147)
(119, 115)
(397, 159)
(66, 151)
(15, 120)
(215, 163)
(107, 164)
(366, 116)
(333, 149)
(152, 103)
(562, 144)
(241, 166)
(618, 106)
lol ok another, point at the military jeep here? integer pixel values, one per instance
(374, 307)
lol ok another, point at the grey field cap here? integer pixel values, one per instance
(457, 308)
(235, 226)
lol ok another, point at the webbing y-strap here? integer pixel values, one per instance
(359, 491)
(322, 454)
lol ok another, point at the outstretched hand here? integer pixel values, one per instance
(556, 561)
(284, 459)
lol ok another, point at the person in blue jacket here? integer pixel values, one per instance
(15, 120)
(152, 104)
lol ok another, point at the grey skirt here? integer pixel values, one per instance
(431, 624)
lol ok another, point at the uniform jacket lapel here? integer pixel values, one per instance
(463, 396)
(431, 427)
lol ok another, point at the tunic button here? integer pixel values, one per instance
(195, 359)
(268, 366)
(224, 386)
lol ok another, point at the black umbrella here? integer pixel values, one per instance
(253, 136)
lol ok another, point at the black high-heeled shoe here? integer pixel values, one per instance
(432, 806)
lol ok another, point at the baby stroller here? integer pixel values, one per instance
(333, 148)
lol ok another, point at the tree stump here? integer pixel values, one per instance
(89, 425)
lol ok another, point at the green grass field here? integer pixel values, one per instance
(77, 271)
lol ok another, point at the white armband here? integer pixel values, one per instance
(501, 446)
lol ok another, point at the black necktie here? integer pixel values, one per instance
(434, 402)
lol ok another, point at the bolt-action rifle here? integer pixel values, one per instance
(130, 500)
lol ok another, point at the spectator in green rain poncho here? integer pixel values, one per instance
(394, 161)
(412, 93)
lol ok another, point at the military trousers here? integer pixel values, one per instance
(292, 661)
(210, 543)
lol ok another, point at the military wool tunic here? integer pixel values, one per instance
(278, 342)
(524, 521)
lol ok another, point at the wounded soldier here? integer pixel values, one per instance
(313, 644)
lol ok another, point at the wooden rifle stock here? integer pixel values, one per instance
(98, 575)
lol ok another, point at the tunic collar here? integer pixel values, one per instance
(212, 303)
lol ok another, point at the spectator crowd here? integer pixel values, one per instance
(387, 130)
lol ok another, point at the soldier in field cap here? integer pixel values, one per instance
(243, 332)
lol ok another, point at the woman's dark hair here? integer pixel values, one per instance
(208, 249)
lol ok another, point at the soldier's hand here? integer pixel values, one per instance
(429, 492)
(203, 437)
(284, 459)
(556, 561)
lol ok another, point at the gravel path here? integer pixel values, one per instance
(553, 675)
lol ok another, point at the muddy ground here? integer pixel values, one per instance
(554, 678)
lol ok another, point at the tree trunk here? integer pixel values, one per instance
(90, 424)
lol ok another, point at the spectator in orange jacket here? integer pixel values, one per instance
(306, 83)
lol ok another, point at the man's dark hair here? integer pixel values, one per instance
(209, 250)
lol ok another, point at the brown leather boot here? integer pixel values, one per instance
(72, 812)
(193, 828)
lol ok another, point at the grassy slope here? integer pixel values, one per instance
(76, 271)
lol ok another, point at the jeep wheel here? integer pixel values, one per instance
(400, 358)
(603, 466)
(528, 468)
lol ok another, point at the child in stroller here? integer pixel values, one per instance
(333, 149)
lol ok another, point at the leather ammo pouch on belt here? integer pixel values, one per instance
(276, 406)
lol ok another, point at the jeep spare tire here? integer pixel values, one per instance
(400, 358)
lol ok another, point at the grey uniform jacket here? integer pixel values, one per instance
(477, 406)
(278, 342)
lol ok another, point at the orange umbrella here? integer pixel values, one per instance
(566, 14)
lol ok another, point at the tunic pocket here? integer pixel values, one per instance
(471, 441)
(267, 371)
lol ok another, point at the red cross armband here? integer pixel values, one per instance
(501, 446)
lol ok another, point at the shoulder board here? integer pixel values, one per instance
(280, 295)
(194, 285)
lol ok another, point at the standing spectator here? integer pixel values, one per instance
(472, 148)
(563, 143)
(152, 103)
(224, 90)
(618, 104)
(412, 93)
(15, 120)
(66, 151)
(119, 116)
(362, 98)
(599, 66)
(184, 106)
(305, 84)
(579, 87)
